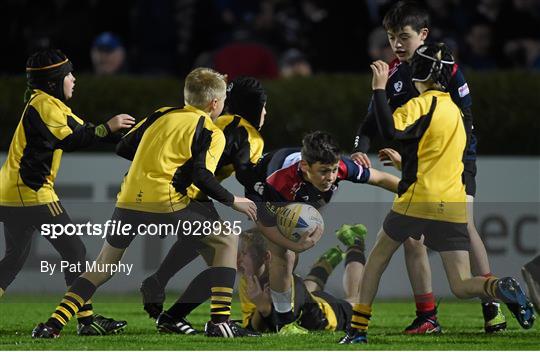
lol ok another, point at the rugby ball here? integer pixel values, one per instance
(295, 219)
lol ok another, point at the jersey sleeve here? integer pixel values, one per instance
(461, 96)
(459, 89)
(249, 151)
(61, 128)
(351, 171)
(53, 118)
(366, 131)
(127, 147)
(272, 200)
(207, 147)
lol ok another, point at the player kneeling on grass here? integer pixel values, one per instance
(171, 149)
(310, 176)
(431, 198)
(28, 200)
(314, 309)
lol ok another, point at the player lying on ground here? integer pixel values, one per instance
(310, 176)
(28, 200)
(407, 24)
(246, 110)
(171, 149)
(431, 200)
(314, 309)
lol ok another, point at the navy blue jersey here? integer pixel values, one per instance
(287, 185)
(400, 89)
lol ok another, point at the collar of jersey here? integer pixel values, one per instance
(46, 95)
(197, 110)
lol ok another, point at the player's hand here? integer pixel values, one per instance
(258, 295)
(361, 158)
(380, 74)
(308, 239)
(389, 157)
(120, 121)
(246, 206)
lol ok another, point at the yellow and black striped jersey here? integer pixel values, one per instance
(431, 130)
(47, 127)
(243, 148)
(168, 149)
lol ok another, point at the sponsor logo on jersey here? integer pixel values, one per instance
(463, 90)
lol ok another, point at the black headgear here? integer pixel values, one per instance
(432, 61)
(246, 97)
(46, 69)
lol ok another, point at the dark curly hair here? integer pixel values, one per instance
(406, 13)
(320, 147)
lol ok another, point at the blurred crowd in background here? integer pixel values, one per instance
(264, 38)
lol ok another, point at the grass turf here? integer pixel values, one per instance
(462, 324)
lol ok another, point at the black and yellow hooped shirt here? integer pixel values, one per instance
(46, 129)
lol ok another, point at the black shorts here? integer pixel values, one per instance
(441, 236)
(469, 177)
(194, 212)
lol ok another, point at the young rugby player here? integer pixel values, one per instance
(431, 199)
(28, 200)
(171, 149)
(314, 309)
(246, 111)
(310, 176)
(407, 25)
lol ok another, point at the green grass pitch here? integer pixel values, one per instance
(462, 323)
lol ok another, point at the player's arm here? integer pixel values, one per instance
(256, 304)
(84, 134)
(407, 122)
(366, 131)
(273, 234)
(267, 223)
(383, 114)
(128, 145)
(384, 180)
(459, 91)
(351, 171)
(248, 151)
(207, 148)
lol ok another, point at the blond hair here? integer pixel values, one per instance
(202, 85)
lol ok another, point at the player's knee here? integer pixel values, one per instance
(413, 248)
